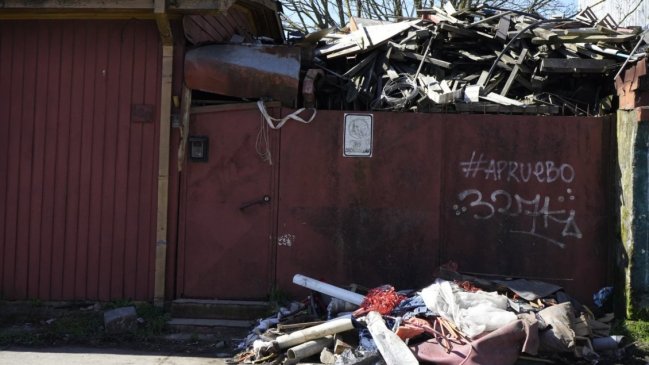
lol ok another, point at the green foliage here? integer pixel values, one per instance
(637, 330)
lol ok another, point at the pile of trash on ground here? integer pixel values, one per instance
(458, 319)
(480, 60)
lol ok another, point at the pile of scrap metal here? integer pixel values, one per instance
(458, 319)
(483, 60)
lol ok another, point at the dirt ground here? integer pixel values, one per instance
(73, 333)
(67, 355)
(53, 325)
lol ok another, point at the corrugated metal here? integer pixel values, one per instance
(625, 12)
(77, 176)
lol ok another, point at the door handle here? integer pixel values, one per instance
(263, 200)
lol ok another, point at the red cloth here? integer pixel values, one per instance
(500, 347)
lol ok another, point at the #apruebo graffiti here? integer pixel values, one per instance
(539, 213)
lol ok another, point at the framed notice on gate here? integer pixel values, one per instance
(358, 134)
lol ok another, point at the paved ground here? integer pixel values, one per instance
(87, 356)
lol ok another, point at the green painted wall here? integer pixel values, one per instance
(632, 257)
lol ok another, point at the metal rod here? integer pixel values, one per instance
(631, 55)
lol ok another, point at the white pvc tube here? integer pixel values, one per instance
(391, 347)
(328, 289)
(309, 348)
(322, 330)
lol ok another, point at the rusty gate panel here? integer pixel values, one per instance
(525, 196)
(225, 249)
(77, 173)
(369, 221)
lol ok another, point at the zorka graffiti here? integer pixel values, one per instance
(539, 214)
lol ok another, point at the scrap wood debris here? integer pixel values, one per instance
(482, 59)
(447, 322)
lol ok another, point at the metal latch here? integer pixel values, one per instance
(263, 200)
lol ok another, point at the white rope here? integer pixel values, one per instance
(295, 116)
(262, 144)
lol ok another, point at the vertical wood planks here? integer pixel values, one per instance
(77, 176)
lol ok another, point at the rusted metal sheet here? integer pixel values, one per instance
(246, 71)
(76, 176)
(527, 196)
(225, 249)
(369, 221)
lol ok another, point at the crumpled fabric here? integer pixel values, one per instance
(560, 336)
(473, 313)
(413, 306)
(500, 347)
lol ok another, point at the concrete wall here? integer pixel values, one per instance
(632, 257)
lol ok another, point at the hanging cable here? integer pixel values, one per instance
(295, 116)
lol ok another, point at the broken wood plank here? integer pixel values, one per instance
(499, 99)
(458, 30)
(575, 65)
(431, 60)
(587, 39)
(359, 66)
(545, 34)
(489, 108)
(494, 17)
(514, 73)
(503, 28)
(475, 57)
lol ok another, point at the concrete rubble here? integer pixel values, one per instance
(120, 320)
(458, 319)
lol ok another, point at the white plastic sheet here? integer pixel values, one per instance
(473, 313)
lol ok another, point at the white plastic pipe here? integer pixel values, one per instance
(309, 348)
(328, 289)
(391, 347)
(322, 330)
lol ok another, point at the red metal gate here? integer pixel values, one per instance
(527, 197)
(226, 248)
(368, 220)
(500, 195)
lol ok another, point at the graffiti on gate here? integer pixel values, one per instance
(540, 213)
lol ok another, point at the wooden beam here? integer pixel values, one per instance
(514, 73)
(163, 176)
(503, 28)
(431, 60)
(96, 15)
(117, 9)
(232, 107)
(506, 109)
(77, 5)
(587, 39)
(162, 20)
(575, 65)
